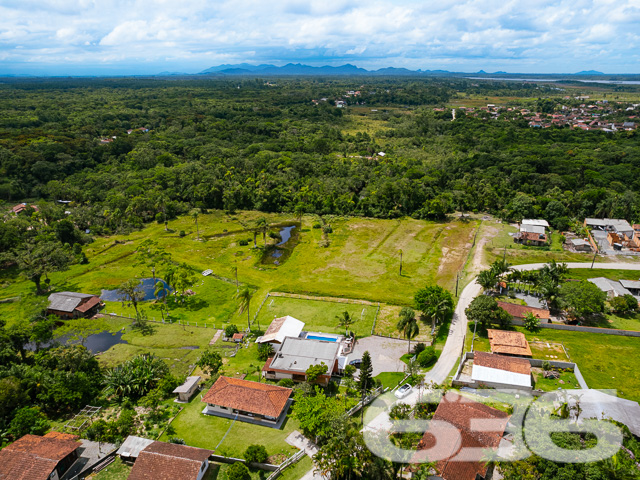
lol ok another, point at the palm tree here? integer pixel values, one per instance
(344, 320)
(161, 288)
(262, 225)
(408, 325)
(487, 279)
(195, 217)
(244, 301)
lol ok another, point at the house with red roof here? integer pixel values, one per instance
(253, 402)
(461, 434)
(73, 304)
(33, 457)
(170, 461)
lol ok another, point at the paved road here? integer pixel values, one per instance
(455, 341)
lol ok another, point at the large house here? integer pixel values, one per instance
(499, 371)
(532, 232)
(296, 355)
(280, 329)
(509, 343)
(255, 402)
(33, 457)
(170, 461)
(463, 451)
(73, 304)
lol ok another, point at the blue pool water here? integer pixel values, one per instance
(324, 339)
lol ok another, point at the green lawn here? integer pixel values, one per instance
(548, 385)
(297, 471)
(118, 470)
(606, 361)
(390, 379)
(319, 315)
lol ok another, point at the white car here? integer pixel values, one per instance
(403, 391)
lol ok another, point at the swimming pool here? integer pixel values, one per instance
(324, 339)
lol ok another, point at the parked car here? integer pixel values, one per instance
(403, 391)
(356, 363)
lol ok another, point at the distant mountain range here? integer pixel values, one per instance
(246, 69)
(300, 69)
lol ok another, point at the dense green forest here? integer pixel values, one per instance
(246, 144)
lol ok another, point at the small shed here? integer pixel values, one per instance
(132, 446)
(580, 245)
(238, 337)
(187, 389)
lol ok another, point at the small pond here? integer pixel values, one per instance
(96, 343)
(285, 235)
(148, 286)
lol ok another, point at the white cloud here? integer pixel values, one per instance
(547, 35)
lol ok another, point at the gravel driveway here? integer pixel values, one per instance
(385, 353)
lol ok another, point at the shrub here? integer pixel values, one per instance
(286, 382)
(327, 229)
(238, 471)
(256, 454)
(230, 330)
(317, 225)
(531, 322)
(546, 366)
(243, 243)
(265, 350)
(427, 357)
(177, 440)
(182, 234)
(418, 348)
(28, 420)
(349, 370)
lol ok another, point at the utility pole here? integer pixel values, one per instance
(475, 325)
(400, 262)
(457, 275)
(594, 259)
(236, 268)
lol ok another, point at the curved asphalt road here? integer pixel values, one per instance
(455, 341)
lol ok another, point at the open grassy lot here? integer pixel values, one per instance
(168, 342)
(361, 260)
(585, 273)
(319, 315)
(606, 361)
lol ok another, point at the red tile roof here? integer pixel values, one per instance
(88, 305)
(520, 311)
(509, 343)
(254, 397)
(33, 457)
(500, 362)
(238, 336)
(453, 440)
(168, 461)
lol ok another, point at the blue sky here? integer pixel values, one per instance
(78, 37)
